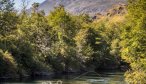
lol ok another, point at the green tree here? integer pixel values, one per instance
(35, 7)
(8, 26)
(109, 32)
(63, 32)
(8, 65)
(8, 17)
(33, 32)
(133, 42)
(6, 5)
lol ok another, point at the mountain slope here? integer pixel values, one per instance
(90, 7)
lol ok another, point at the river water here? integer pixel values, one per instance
(110, 77)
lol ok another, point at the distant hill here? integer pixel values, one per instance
(90, 7)
(117, 11)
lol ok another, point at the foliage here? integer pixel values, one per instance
(8, 64)
(133, 42)
(136, 77)
(62, 42)
(109, 32)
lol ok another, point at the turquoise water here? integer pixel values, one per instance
(86, 78)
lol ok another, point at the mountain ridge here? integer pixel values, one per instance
(90, 7)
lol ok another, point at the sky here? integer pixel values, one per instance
(18, 3)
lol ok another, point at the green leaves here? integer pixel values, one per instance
(38, 42)
(8, 64)
(98, 40)
(8, 18)
(133, 42)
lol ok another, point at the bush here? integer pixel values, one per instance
(136, 77)
(8, 65)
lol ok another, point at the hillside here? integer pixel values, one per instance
(90, 7)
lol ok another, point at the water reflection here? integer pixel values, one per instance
(89, 78)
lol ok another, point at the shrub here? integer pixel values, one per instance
(8, 65)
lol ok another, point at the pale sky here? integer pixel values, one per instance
(18, 3)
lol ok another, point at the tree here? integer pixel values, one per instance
(64, 29)
(8, 26)
(6, 5)
(8, 65)
(133, 42)
(33, 32)
(8, 22)
(109, 32)
(35, 7)
(8, 17)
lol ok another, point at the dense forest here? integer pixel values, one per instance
(60, 42)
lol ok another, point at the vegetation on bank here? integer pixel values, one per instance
(133, 39)
(62, 42)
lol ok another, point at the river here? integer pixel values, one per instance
(105, 77)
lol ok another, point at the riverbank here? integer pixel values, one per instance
(75, 78)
